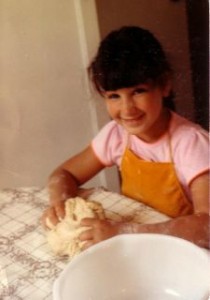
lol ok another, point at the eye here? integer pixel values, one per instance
(112, 96)
(139, 90)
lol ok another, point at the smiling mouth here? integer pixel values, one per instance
(133, 121)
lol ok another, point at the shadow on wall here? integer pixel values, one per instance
(198, 17)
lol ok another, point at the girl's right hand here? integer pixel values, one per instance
(54, 214)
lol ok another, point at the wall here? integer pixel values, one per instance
(198, 24)
(46, 111)
(168, 21)
(46, 114)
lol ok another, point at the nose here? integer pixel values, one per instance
(128, 105)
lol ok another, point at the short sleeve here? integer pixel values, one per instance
(108, 144)
(193, 154)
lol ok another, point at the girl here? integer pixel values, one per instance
(162, 157)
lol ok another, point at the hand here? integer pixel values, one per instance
(99, 230)
(54, 213)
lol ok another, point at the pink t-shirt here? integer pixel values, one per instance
(189, 143)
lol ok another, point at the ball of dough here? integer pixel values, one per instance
(63, 238)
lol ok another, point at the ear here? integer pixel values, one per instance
(167, 87)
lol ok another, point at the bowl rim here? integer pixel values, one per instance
(204, 253)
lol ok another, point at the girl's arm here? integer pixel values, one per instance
(65, 181)
(194, 228)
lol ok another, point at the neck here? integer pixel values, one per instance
(159, 127)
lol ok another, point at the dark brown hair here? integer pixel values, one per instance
(127, 57)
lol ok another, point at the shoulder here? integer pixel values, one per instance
(108, 143)
(190, 147)
(109, 131)
(185, 132)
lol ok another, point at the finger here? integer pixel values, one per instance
(88, 245)
(86, 235)
(60, 210)
(50, 218)
(88, 222)
(43, 219)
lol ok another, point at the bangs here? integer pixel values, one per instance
(126, 58)
(123, 75)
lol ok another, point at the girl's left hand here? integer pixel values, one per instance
(99, 230)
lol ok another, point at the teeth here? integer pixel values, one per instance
(133, 118)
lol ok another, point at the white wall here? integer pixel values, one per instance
(45, 111)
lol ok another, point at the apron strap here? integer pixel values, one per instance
(170, 148)
(126, 144)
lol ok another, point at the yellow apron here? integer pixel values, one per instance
(154, 184)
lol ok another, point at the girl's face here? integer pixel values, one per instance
(140, 110)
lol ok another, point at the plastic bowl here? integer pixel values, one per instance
(137, 267)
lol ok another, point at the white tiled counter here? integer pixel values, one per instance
(27, 266)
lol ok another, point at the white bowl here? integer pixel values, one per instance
(137, 267)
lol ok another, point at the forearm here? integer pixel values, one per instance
(62, 185)
(194, 228)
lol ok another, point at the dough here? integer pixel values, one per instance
(63, 237)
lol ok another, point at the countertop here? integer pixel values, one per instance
(28, 268)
